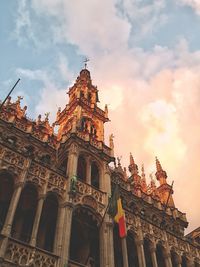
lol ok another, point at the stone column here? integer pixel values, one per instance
(167, 258)
(37, 220)
(66, 234)
(88, 170)
(140, 253)
(153, 255)
(59, 230)
(72, 161)
(178, 260)
(106, 244)
(12, 208)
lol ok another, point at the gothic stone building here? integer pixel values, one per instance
(54, 190)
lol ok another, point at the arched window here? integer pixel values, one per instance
(132, 251)
(6, 191)
(95, 177)
(63, 166)
(25, 214)
(47, 226)
(160, 256)
(184, 261)
(147, 252)
(84, 244)
(173, 258)
(81, 169)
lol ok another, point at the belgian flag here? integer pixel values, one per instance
(117, 212)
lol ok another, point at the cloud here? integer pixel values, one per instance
(153, 96)
(195, 4)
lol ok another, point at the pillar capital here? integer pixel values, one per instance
(18, 184)
(139, 242)
(152, 247)
(166, 254)
(41, 196)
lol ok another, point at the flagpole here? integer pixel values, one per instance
(8, 94)
(124, 252)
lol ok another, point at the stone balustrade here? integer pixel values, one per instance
(24, 255)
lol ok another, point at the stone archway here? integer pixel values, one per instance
(48, 220)
(25, 213)
(85, 241)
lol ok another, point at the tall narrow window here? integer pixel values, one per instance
(160, 256)
(173, 258)
(95, 175)
(147, 252)
(84, 245)
(47, 227)
(184, 262)
(81, 169)
(25, 213)
(6, 191)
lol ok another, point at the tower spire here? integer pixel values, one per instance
(133, 168)
(161, 175)
(158, 165)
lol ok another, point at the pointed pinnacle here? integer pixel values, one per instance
(158, 165)
(131, 159)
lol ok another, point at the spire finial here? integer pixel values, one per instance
(85, 61)
(158, 165)
(131, 159)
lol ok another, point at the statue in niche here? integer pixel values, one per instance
(106, 111)
(111, 141)
(73, 184)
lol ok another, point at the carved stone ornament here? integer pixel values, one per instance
(90, 201)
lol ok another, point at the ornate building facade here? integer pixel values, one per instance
(55, 188)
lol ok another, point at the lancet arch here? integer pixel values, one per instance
(25, 213)
(48, 221)
(84, 243)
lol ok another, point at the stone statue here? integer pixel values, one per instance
(111, 141)
(106, 111)
(73, 184)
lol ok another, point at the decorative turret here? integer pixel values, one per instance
(81, 115)
(165, 190)
(161, 175)
(133, 168)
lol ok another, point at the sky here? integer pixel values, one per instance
(144, 58)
